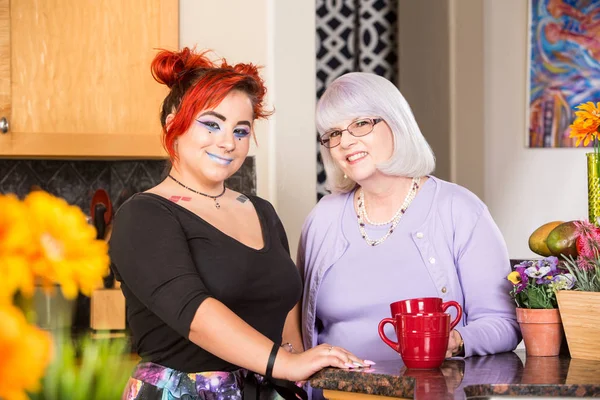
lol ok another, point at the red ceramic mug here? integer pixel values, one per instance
(426, 305)
(422, 338)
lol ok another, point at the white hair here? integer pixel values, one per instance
(361, 94)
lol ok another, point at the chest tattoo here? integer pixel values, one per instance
(175, 199)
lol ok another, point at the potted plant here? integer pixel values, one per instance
(580, 308)
(535, 283)
(45, 240)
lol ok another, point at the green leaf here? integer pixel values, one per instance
(538, 298)
(91, 369)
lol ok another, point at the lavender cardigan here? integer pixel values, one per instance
(471, 267)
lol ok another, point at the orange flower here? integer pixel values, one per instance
(586, 125)
(15, 248)
(66, 246)
(26, 352)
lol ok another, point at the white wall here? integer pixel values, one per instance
(294, 53)
(524, 188)
(281, 37)
(484, 76)
(440, 45)
(466, 72)
(423, 76)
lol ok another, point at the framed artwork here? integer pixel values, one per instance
(564, 67)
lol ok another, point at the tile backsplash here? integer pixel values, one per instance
(76, 181)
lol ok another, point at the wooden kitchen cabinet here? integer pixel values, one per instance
(75, 76)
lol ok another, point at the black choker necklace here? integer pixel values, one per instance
(215, 198)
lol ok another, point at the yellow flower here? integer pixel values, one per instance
(586, 125)
(514, 277)
(67, 250)
(15, 248)
(26, 352)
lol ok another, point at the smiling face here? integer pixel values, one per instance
(358, 157)
(217, 143)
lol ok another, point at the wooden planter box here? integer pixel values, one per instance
(580, 314)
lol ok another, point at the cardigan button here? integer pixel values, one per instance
(444, 290)
(431, 260)
(420, 235)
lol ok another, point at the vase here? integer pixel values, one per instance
(52, 310)
(542, 331)
(593, 163)
(580, 314)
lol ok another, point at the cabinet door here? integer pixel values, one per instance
(80, 82)
(4, 66)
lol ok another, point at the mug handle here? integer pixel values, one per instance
(454, 304)
(387, 341)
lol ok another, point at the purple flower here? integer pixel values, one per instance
(535, 272)
(545, 280)
(552, 262)
(563, 282)
(524, 277)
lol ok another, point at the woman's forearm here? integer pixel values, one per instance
(221, 332)
(291, 329)
(489, 336)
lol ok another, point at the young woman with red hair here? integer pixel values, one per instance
(210, 286)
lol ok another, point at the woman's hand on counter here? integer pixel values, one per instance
(300, 366)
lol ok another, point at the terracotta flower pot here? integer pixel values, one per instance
(542, 331)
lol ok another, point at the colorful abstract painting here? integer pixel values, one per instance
(564, 66)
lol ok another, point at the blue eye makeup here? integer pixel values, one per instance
(210, 125)
(213, 126)
(241, 133)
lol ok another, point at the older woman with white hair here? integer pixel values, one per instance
(391, 231)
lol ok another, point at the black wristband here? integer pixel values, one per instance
(271, 362)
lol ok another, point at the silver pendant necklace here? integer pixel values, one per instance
(215, 198)
(362, 214)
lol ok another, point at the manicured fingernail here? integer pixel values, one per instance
(369, 362)
(358, 364)
(349, 365)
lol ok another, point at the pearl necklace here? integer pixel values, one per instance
(362, 214)
(366, 216)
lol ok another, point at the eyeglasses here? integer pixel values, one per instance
(358, 128)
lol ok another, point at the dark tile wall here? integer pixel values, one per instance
(76, 181)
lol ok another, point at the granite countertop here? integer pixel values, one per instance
(510, 373)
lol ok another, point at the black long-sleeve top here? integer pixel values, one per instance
(169, 260)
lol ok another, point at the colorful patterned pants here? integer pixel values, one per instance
(151, 381)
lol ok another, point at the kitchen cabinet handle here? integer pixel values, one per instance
(4, 125)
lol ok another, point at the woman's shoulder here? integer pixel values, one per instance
(259, 202)
(144, 204)
(454, 196)
(327, 210)
(142, 215)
